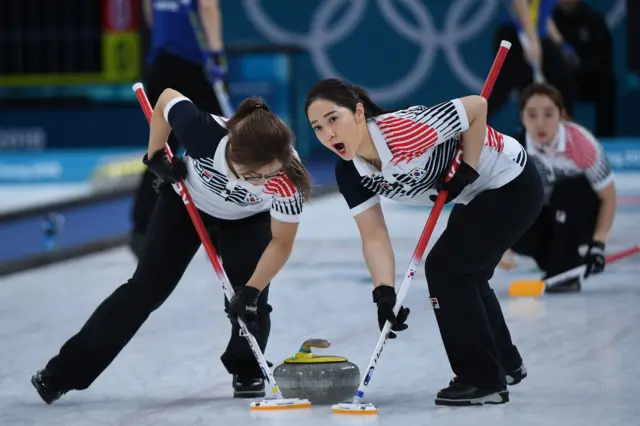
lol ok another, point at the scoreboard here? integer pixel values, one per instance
(62, 42)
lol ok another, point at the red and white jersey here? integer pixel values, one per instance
(416, 145)
(574, 151)
(213, 186)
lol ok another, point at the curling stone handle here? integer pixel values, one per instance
(314, 343)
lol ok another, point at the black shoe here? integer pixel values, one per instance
(461, 394)
(248, 387)
(516, 376)
(566, 286)
(47, 389)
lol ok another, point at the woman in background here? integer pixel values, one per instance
(580, 193)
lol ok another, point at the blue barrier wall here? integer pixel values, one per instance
(59, 166)
(76, 166)
(24, 237)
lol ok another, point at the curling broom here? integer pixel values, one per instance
(356, 406)
(535, 288)
(278, 402)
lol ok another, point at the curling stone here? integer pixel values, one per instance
(322, 379)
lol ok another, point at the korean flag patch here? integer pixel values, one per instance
(251, 199)
(417, 173)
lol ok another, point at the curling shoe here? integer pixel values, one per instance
(461, 394)
(248, 387)
(45, 385)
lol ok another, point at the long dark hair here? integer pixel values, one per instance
(258, 137)
(344, 94)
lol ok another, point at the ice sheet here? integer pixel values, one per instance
(581, 350)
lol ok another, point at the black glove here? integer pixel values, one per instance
(160, 165)
(594, 259)
(465, 175)
(244, 305)
(385, 297)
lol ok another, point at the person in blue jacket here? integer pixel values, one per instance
(538, 54)
(177, 60)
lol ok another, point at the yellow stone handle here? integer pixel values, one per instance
(313, 343)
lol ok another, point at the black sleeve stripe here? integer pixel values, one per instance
(291, 206)
(521, 159)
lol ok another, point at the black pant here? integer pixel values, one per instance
(516, 73)
(173, 72)
(568, 221)
(171, 244)
(459, 267)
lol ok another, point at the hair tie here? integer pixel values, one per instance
(258, 106)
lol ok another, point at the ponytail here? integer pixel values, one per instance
(299, 176)
(248, 106)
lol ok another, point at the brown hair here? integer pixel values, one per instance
(543, 89)
(258, 137)
(344, 94)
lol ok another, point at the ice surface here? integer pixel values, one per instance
(581, 350)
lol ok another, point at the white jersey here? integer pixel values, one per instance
(573, 152)
(213, 186)
(416, 146)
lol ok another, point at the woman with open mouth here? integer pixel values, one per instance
(404, 155)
